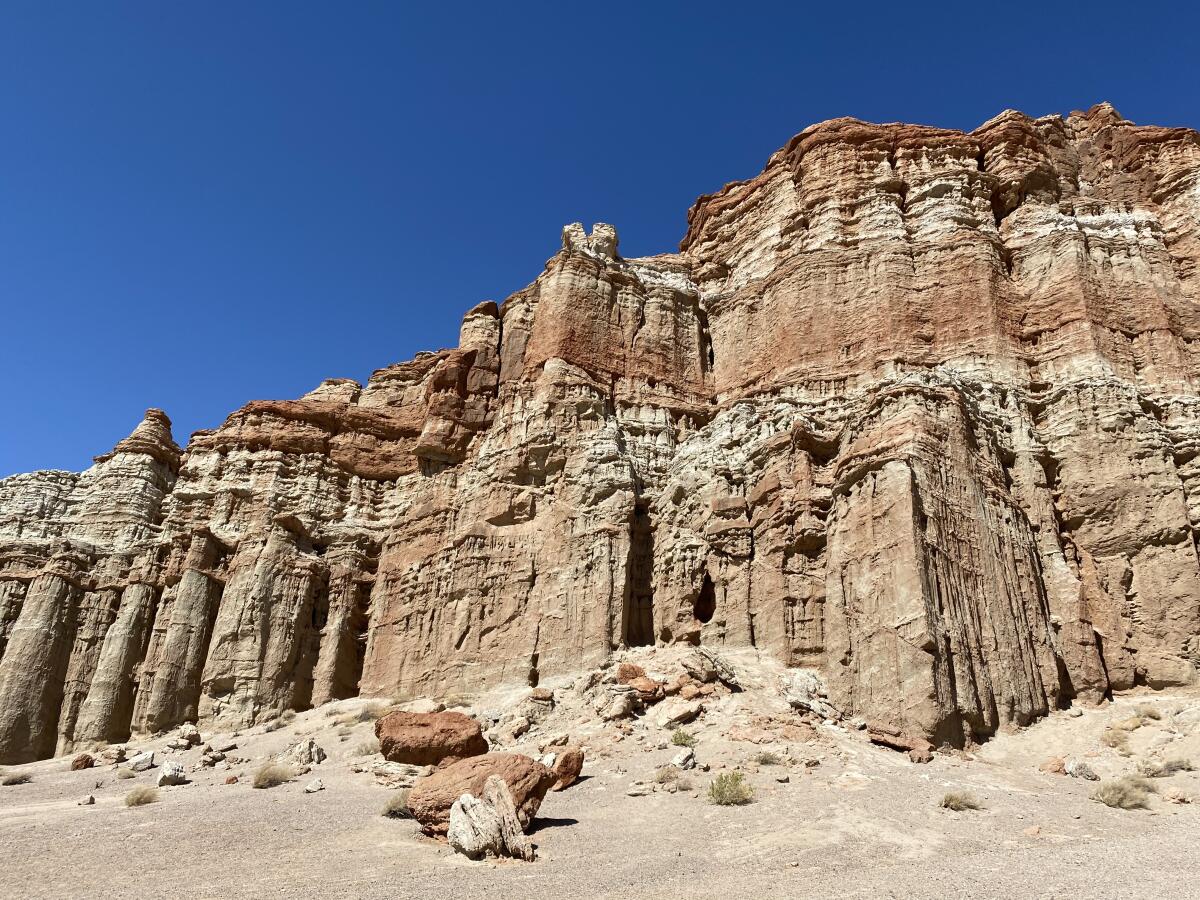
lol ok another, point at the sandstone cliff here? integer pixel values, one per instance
(914, 408)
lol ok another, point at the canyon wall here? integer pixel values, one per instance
(915, 408)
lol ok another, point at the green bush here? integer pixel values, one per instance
(681, 738)
(730, 789)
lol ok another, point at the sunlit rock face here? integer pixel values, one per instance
(914, 408)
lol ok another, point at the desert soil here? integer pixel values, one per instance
(852, 820)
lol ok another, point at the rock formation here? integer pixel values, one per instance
(914, 408)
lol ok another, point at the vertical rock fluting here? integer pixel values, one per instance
(913, 407)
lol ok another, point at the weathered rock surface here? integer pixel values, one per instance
(528, 781)
(567, 766)
(171, 773)
(428, 739)
(913, 408)
(488, 825)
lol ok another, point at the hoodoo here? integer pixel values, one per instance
(913, 408)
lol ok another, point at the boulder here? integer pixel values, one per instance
(567, 765)
(303, 754)
(189, 733)
(684, 759)
(676, 711)
(429, 739)
(142, 762)
(432, 796)
(474, 828)
(171, 774)
(1077, 768)
(489, 825)
(496, 794)
(313, 786)
(616, 704)
(918, 748)
(648, 689)
(628, 672)
(82, 761)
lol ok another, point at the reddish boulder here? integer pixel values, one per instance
(82, 761)
(429, 739)
(568, 763)
(628, 672)
(1055, 765)
(430, 800)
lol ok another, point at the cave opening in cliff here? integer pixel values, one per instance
(637, 626)
(705, 605)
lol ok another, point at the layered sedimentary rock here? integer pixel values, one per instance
(915, 408)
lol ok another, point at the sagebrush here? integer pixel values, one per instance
(140, 796)
(681, 738)
(959, 801)
(1128, 792)
(272, 774)
(1161, 768)
(730, 789)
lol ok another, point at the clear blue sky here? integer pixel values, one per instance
(206, 203)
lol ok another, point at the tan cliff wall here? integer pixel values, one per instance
(915, 408)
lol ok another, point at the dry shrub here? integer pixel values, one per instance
(271, 725)
(287, 716)
(367, 748)
(959, 801)
(684, 784)
(125, 773)
(1159, 768)
(767, 758)
(10, 780)
(1133, 723)
(142, 795)
(371, 711)
(730, 789)
(681, 738)
(397, 806)
(1117, 739)
(272, 774)
(1127, 792)
(1146, 711)
(666, 775)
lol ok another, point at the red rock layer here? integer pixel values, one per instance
(914, 408)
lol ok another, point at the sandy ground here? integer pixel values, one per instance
(862, 822)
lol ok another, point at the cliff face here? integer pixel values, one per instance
(915, 408)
